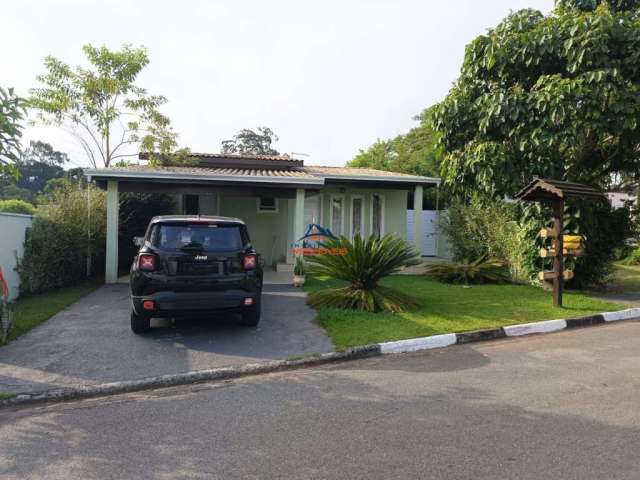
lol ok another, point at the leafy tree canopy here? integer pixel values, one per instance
(101, 106)
(255, 142)
(42, 152)
(415, 152)
(12, 113)
(38, 164)
(555, 96)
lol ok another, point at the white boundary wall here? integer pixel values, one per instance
(429, 231)
(12, 231)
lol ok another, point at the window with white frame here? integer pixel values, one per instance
(267, 204)
(357, 216)
(337, 215)
(377, 215)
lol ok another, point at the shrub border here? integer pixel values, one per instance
(374, 350)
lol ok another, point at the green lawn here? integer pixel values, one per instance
(626, 278)
(450, 308)
(31, 311)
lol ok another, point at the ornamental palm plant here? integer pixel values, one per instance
(481, 270)
(363, 264)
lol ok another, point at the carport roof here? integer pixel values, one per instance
(305, 175)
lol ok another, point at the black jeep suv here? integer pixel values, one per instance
(194, 266)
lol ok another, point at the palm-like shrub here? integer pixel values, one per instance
(482, 270)
(363, 264)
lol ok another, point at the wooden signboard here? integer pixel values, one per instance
(554, 193)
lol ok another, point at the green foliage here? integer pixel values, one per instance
(17, 206)
(253, 142)
(606, 230)
(12, 112)
(481, 270)
(363, 265)
(415, 152)
(591, 5)
(57, 244)
(553, 96)
(633, 257)
(102, 107)
(448, 308)
(298, 267)
(135, 212)
(36, 166)
(487, 228)
(9, 191)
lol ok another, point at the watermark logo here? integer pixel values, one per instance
(312, 242)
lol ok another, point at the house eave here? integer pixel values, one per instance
(182, 177)
(313, 180)
(381, 179)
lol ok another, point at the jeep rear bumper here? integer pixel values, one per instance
(174, 304)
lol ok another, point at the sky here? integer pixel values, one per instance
(328, 77)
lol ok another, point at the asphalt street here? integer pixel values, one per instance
(559, 406)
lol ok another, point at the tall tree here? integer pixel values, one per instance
(12, 113)
(254, 142)
(42, 152)
(101, 106)
(38, 164)
(554, 96)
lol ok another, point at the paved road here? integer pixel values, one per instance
(91, 342)
(561, 406)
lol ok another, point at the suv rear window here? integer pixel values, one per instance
(199, 236)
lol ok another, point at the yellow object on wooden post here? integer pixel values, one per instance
(550, 275)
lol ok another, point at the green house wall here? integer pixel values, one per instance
(272, 232)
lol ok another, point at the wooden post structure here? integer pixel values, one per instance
(554, 193)
(558, 259)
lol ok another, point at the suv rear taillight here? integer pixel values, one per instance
(147, 262)
(250, 262)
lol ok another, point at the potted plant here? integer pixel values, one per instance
(298, 272)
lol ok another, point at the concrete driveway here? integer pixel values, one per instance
(91, 342)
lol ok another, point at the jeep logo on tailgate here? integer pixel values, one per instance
(200, 257)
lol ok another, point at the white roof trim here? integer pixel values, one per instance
(314, 178)
(99, 172)
(383, 178)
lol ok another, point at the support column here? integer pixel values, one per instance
(111, 267)
(417, 218)
(298, 215)
(558, 260)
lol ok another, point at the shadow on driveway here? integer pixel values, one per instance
(91, 342)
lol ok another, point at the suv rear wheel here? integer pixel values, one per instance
(140, 323)
(251, 316)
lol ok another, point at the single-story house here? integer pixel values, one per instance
(277, 196)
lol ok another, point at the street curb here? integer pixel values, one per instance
(198, 376)
(374, 350)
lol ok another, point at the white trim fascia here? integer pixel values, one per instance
(344, 209)
(314, 178)
(185, 176)
(389, 178)
(362, 215)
